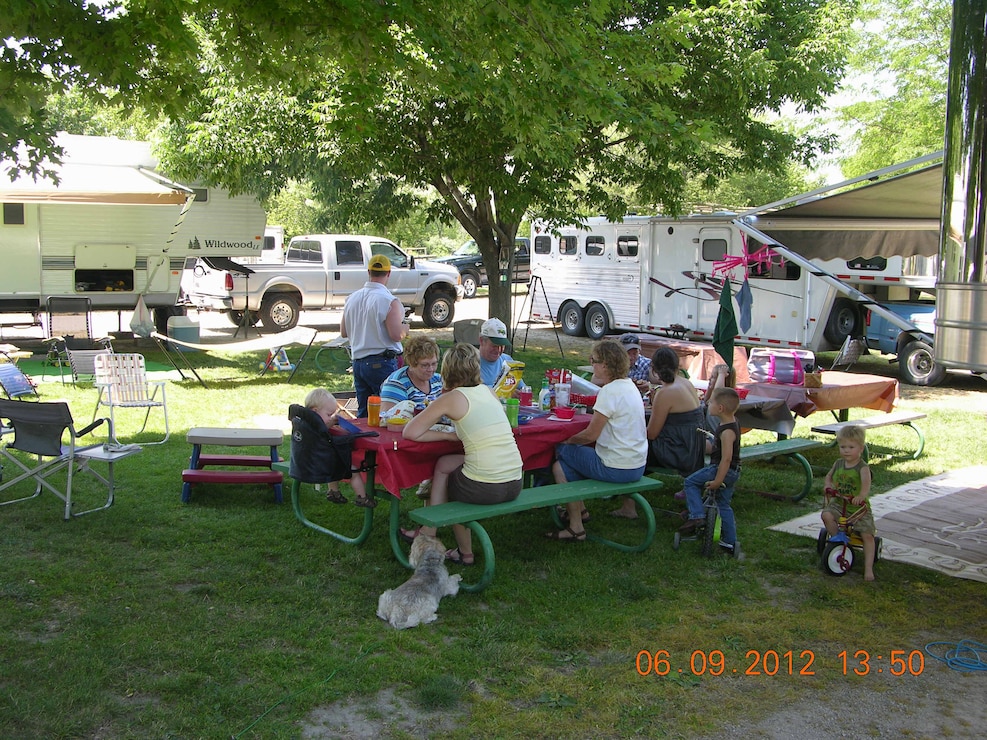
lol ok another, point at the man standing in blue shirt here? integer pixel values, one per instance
(493, 339)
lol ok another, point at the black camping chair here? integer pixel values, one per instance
(38, 430)
(70, 329)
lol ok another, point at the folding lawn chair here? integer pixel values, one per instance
(850, 352)
(69, 330)
(38, 429)
(14, 382)
(122, 382)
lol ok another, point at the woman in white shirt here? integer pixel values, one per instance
(617, 428)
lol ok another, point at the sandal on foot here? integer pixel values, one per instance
(335, 497)
(456, 556)
(574, 536)
(563, 513)
(365, 501)
(408, 535)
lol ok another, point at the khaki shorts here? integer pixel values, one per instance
(864, 525)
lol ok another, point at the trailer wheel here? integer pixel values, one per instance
(162, 314)
(279, 312)
(597, 322)
(844, 321)
(917, 365)
(571, 318)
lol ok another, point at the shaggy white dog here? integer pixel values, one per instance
(416, 601)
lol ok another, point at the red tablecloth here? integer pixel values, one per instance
(402, 463)
(840, 391)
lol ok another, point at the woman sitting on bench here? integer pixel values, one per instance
(676, 415)
(617, 428)
(490, 471)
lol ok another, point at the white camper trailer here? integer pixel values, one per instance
(816, 264)
(112, 229)
(655, 273)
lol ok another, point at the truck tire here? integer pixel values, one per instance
(571, 318)
(597, 322)
(843, 322)
(438, 311)
(471, 283)
(917, 365)
(236, 317)
(279, 312)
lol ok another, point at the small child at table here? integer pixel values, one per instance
(722, 472)
(324, 404)
(850, 476)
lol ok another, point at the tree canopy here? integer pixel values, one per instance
(901, 57)
(548, 106)
(511, 107)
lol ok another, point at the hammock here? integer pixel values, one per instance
(273, 345)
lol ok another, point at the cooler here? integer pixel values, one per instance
(183, 329)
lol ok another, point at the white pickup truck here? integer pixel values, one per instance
(319, 272)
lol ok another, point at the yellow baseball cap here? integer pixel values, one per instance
(379, 263)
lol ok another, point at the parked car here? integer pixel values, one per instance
(916, 359)
(468, 261)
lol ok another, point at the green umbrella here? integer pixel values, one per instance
(726, 326)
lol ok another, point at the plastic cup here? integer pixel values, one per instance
(373, 411)
(525, 398)
(513, 405)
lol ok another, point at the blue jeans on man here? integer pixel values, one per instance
(694, 486)
(369, 375)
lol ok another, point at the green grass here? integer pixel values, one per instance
(227, 617)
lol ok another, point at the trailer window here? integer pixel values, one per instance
(875, 264)
(775, 270)
(13, 214)
(595, 246)
(201, 195)
(567, 244)
(305, 251)
(543, 244)
(627, 246)
(714, 249)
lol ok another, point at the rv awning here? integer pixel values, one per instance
(96, 169)
(93, 183)
(896, 216)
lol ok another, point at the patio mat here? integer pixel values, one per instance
(938, 522)
(36, 370)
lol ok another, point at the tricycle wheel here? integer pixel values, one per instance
(837, 558)
(676, 541)
(821, 540)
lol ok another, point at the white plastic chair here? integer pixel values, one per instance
(122, 382)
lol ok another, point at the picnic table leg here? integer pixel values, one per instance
(368, 519)
(194, 465)
(483, 539)
(921, 440)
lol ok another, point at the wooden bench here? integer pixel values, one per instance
(903, 418)
(457, 512)
(791, 447)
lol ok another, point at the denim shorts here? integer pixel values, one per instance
(580, 462)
